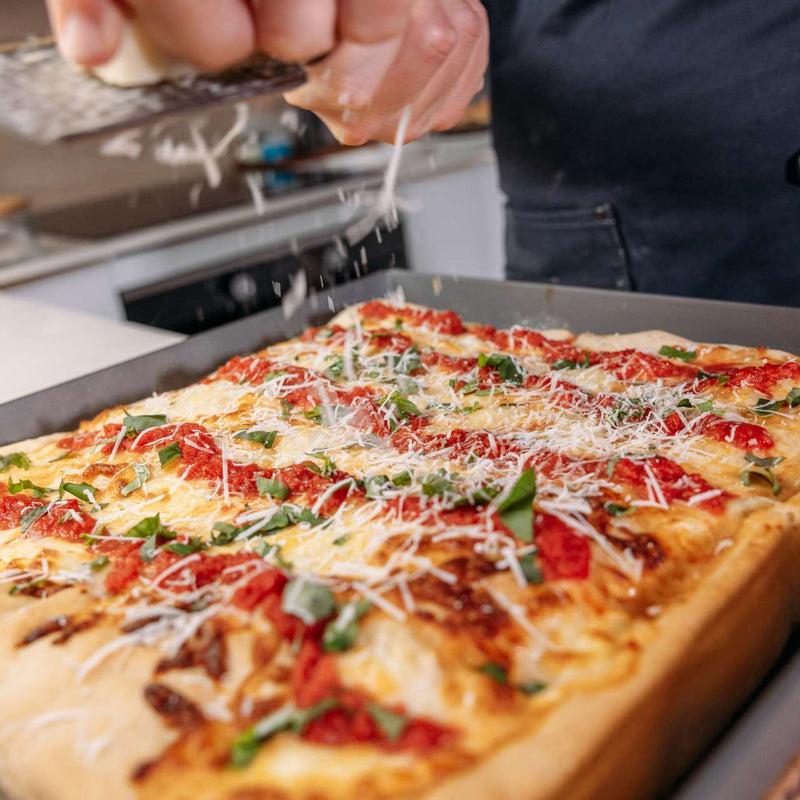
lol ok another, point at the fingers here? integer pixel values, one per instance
(220, 34)
(88, 31)
(369, 21)
(295, 30)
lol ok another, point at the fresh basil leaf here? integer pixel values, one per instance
(531, 687)
(722, 378)
(530, 569)
(286, 408)
(685, 403)
(98, 563)
(391, 724)
(271, 376)
(15, 487)
(169, 454)
(143, 423)
(188, 548)
(497, 672)
(437, 484)
(407, 386)
(505, 366)
(406, 364)
(401, 405)
(752, 458)
(469, 388)
(375, 485)
(246, 746)
(225, 533)
(142, 474)
(677, 352)
(147, 552)
(342, 633)
(308, 601)
(793, 398)
(30, 516)
(403, 479)
(303, 716)
(19, 460)
(315, 414)
(326, 469)
(335, 369)
(343, 539)
(151, 526)
(564, 363)
(83, 491)
(765, 407)
(272, 487)
(266, 438)
(516, 509)
(617, 510)
(763, 474)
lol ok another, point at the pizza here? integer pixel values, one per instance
(401, 555)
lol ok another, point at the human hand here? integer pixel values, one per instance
(382, 55)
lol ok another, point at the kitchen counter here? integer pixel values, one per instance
(45, 345)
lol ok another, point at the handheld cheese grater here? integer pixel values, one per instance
(42, 97)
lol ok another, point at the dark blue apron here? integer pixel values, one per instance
(649, 144)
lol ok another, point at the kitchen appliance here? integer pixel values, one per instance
(751, 756)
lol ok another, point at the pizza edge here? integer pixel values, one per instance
(634, 739)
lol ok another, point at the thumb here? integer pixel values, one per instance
(88, 31)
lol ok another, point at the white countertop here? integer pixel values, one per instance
(43, 345)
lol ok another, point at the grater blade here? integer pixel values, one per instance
(46, 99)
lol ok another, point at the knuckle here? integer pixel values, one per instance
(435, 37)
(470, 20)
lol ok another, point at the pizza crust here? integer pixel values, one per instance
(633, 740)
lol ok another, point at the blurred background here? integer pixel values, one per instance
(103, 227)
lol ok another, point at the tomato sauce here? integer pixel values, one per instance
(440, 321)
(633, 365)
(64, 520)
(762, 378)
(563, 552)
(743, 435)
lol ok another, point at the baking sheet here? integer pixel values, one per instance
(752, 755)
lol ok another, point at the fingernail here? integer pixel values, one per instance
(83, 39)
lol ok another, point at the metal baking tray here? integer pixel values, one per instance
(752, 754)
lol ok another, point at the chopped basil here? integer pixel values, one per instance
(437, 484)
(497, 672)
(98, 563)
(390, 723)
(343, 539)
(246, 746)
(706, 405)
(30, 516)
(147, 552)
(315, 414)
(677, 352)
(765, 475)
(151, 526)
(765, 407)
(402, 407)
(308, 601)
(720, 377)
(531, 687)
(793, 398)
(612, 465)
(406, 363)
(342, 633)
(326, 469)
(403, 479)
(271, 376)
(143, 423)
(469, 409)
(83, 491)
(267, 438)
(335, 369)
(516, 508)
(617, 510)
(169, 453)
(530, 569)
(286, 407)
(374, 485)
(506, 367)
(225, 533)
(272, 487)
(15, 487)
(188, 548)
(685, 403)
(480, 497)
(408, 386)
(763, 462)
(569, 363)
(61, 457)
(468, 388)
(142, 473)
(19, 460)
